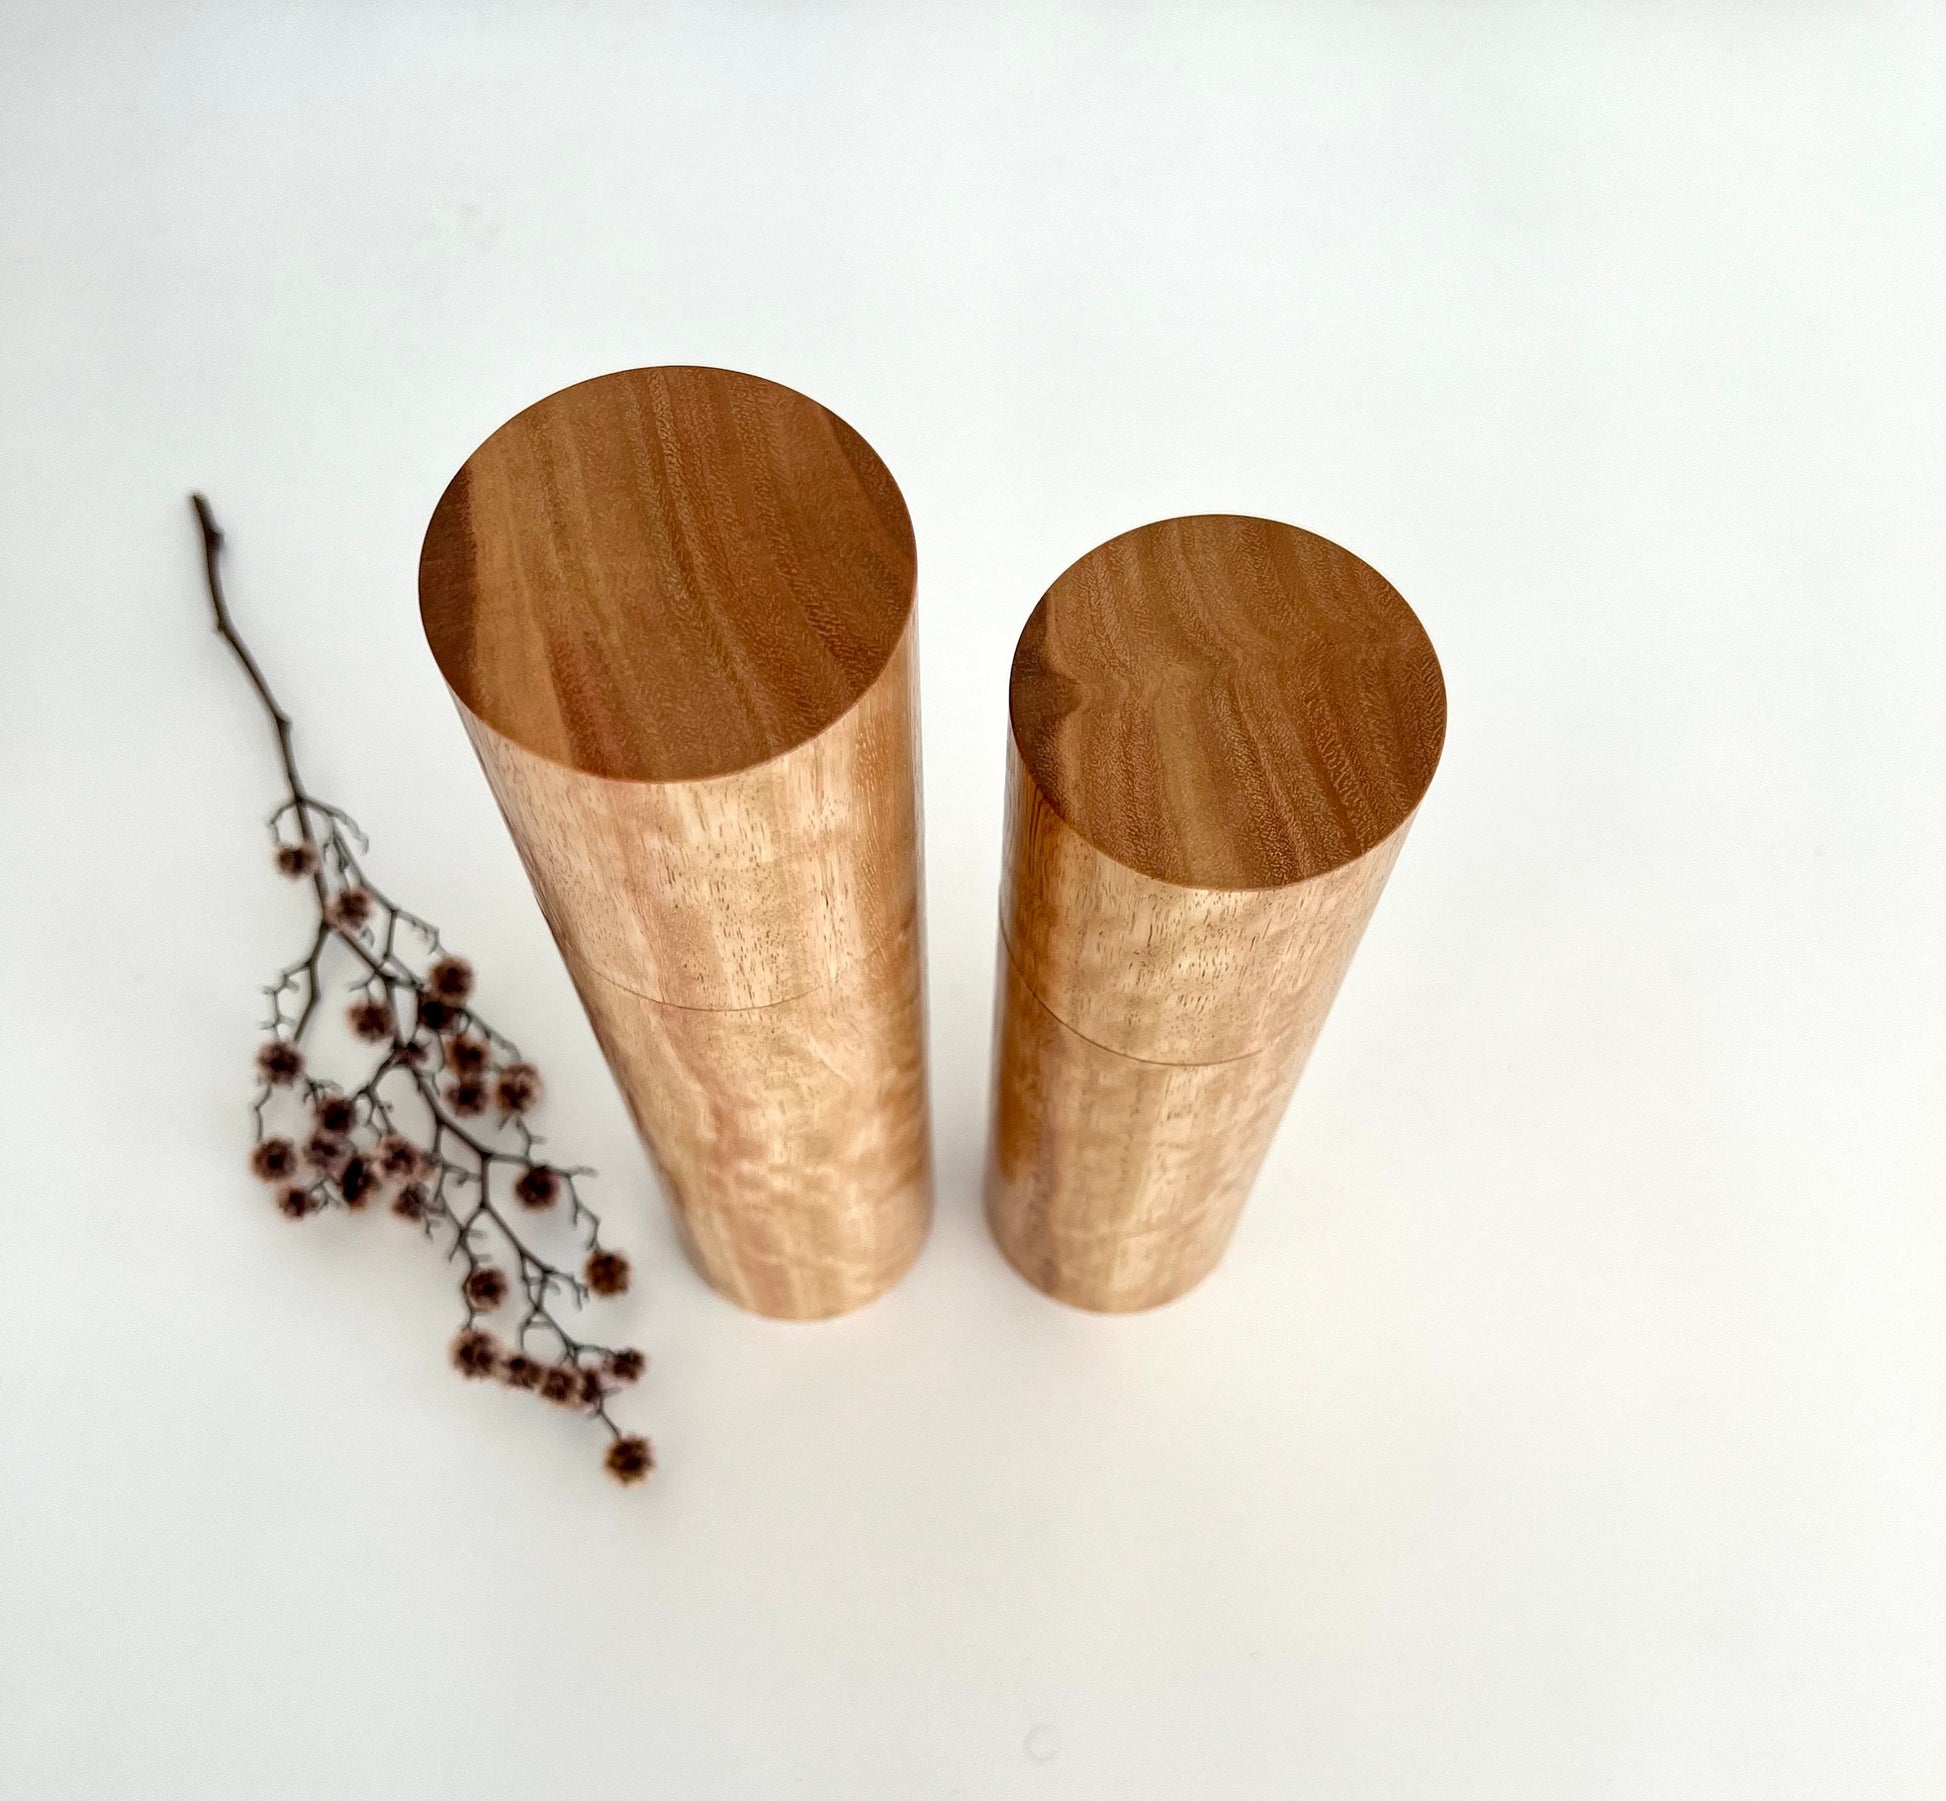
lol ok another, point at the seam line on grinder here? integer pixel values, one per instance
(1034, 994)
(577, 965)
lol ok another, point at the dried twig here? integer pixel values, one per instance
(438, 1126)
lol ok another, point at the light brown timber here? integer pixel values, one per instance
(1221, 730)
(675, 609)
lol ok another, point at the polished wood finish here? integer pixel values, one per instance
(1116, 1183)
(1221, 730)
(674, 607)
(1174, 974)
(739, 891)
(667, 574)
(791, 1139)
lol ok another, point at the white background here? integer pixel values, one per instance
(1568, 1418)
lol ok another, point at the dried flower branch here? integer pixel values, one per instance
(438, 1124)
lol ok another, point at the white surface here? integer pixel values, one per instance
(1568, 1418)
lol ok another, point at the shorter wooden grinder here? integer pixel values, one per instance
(675, 607)
(1222, 727)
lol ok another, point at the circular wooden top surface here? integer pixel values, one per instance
(1225, 702)
(667, 574)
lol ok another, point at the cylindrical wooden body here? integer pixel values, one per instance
(674, 607)
(1221, 728)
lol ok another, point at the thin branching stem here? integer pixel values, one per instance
(439, 1123)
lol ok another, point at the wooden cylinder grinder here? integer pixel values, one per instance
(675, 608)
(1221, 729)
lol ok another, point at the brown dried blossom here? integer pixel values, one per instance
(538, 1187)
(606, 1274)
(325, 1153)
(518, 1088)
(451, 980)
(370, 1020)
(434, 1015)
(397, 1158)
(438, 1118)
(274, 1159)
(629, 1459)
(350, 909)
(485, 1288)
(357, 1182)
(476, 1354)
(520, 1371)
(627, 1366)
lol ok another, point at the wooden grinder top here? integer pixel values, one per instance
(665, 575)
(1225, 702)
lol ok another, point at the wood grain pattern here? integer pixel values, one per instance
(1114, 1183)
(1226, 702)
(1174, 974)
(791, 1139)
(741, 567)
(742, 890)
(674, 608)
(1222, 729)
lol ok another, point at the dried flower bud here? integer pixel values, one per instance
(467, 1097)
(594, 1390)
(606, 1273)
(411, 1201)
(280, 1064)
(370, 1019)
(274, 1159)
(538, 1186)
(476, 1354)
(336, 1114)
(520, 1371)
(561, 1384)
(357, 1182)
(467, 1056)
(397, 1157)
(296, 860)
(627, 1365)
(325, 1153)
(629, 1459)
(415, 1054)
(434, 1014)
(485, 1288)
(350, 909)
(294, 1202)
(518, 1089)
(451, 979)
